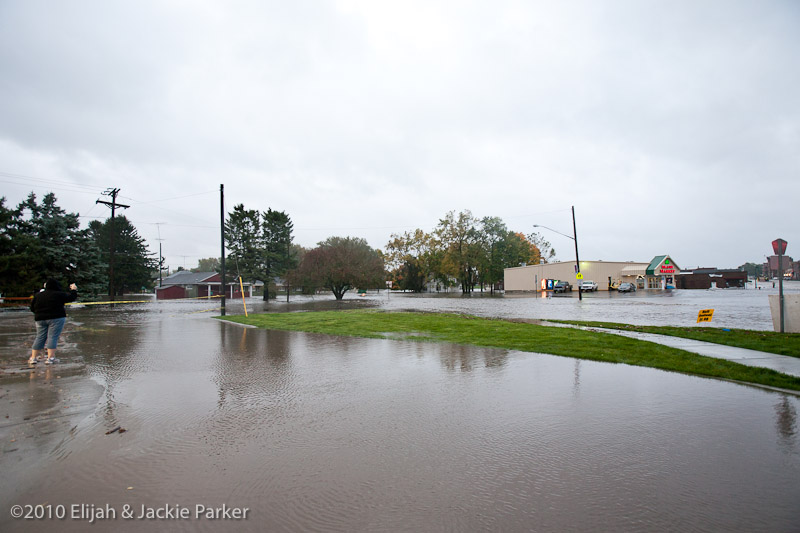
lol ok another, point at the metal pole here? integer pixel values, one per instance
(577, 260)
(222, 243)
(288, 256)
(780, 284)
(160, 260)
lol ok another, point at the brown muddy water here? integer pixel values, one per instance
(319, 433)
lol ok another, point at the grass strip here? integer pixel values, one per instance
(496, 333)
(763, 341)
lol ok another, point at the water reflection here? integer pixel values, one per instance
(463, 358)
(315, 432)
(786, 419)
(255, 372)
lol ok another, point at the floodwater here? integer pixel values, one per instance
(320, 433)
(733, 308)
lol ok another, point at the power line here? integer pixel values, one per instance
(137, 202)
(51, 188)
(42, 180)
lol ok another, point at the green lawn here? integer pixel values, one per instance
(465, 329)
(764, 341)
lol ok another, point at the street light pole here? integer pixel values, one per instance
(574, 237)
(577, 260)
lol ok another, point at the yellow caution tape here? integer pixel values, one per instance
(143, 301)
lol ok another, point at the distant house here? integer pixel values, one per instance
(187, 284)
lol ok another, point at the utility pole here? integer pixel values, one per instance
(222, 244)
(112, 234)
(288, 257)
(160, 257)
(577, 260)
(160, 261)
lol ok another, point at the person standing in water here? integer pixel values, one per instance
(50, 316)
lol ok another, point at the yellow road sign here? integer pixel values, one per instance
(705, 315)
(578, 276)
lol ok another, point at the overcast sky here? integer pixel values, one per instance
(673, 127)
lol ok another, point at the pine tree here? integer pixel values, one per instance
(42, 241)
(133, 261)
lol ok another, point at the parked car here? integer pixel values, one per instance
(626, 287)
(588, 285)
(562, 286)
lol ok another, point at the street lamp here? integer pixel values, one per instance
(574, 237)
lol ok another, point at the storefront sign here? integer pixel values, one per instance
(666, 268)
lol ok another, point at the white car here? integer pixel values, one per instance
(588, 285)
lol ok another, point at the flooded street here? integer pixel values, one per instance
(734, 308)
(320, 433)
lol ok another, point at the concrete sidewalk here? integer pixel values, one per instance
(781, 363)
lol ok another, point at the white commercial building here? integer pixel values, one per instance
(659, 273)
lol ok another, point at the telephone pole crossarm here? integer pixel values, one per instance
(113, 205)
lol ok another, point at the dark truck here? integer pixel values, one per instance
(562, 286)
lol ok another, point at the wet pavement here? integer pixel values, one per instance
(319, 433)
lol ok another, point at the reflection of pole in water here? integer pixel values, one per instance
(576, 382)
(243, 342)
(786, 418)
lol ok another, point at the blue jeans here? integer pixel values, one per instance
(48, 330)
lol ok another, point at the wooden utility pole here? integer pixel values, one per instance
(577, 260)
(112, 234)
(222, 244)
(160, 257)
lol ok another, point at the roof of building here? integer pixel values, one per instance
(658, 261)
(186, 277)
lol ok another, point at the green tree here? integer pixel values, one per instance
(408, 259)
(134, 264)
(341, 264)
(208, 264)
(493, 233)
(276, 245)
(517, 250)
(243, 239)
(20, 258)
(753, 269)
(41, 241)
(546, 253)
(459, 239)
(260, 244)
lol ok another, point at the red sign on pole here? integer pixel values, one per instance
(779, 246)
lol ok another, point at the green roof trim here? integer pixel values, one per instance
(657, 262)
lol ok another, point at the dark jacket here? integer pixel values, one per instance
(49, 303)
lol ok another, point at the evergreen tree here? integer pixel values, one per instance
(260, 244)
(41, 241)
(276, 241)
(133, 261)
(242, 237)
